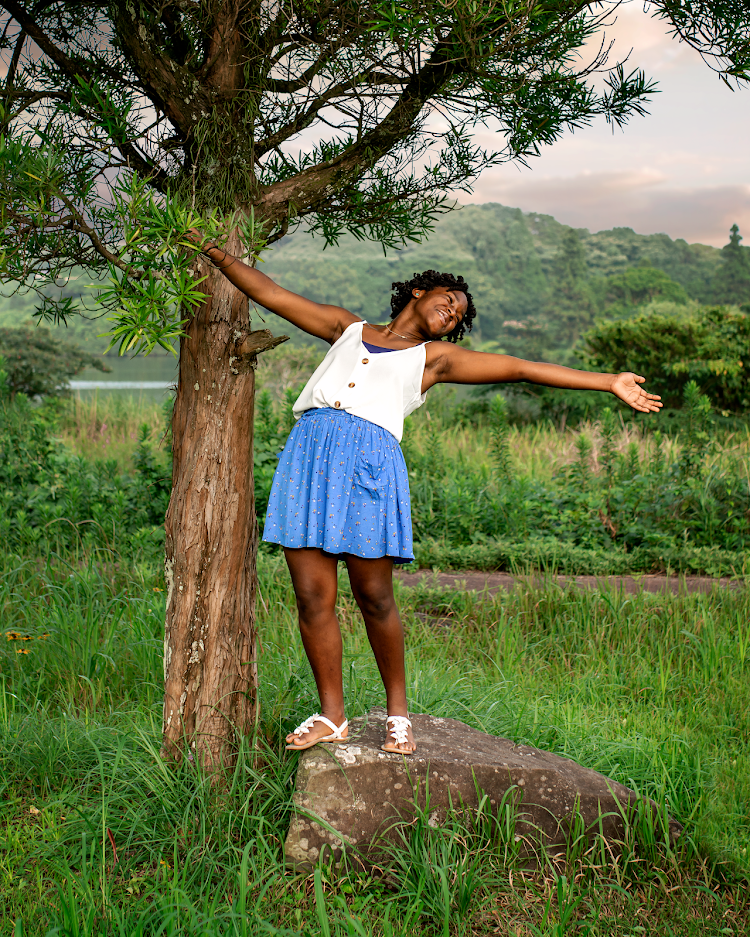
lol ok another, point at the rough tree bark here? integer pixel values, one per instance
(210, 644)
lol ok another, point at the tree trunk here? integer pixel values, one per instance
(210, 647)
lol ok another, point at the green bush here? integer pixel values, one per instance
(623, 294)
(558, 556)
(54, 500)
(38, 364)
(710, 346)
(631, 511)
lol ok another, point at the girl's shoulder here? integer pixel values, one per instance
(439, 350)
(349, 330)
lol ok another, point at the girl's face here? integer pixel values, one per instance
(440, 309)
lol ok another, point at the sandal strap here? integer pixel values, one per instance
(304, 727)
(335, 730)
(398, 730)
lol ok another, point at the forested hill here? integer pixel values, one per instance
(537, 284)
(526, 269)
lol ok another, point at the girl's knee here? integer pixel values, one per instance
(315, 600)
(376, 602)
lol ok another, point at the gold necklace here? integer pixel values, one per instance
(389, 329)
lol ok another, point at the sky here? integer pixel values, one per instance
(684, 169)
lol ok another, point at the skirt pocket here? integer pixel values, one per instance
(374, 477)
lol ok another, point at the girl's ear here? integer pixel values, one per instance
(416, 293)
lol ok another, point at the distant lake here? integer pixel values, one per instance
(151, 376)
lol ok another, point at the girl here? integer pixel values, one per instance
(341, 489)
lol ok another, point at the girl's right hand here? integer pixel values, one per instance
(194, 235)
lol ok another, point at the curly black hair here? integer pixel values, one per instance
(428, 281)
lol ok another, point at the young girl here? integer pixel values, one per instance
(341, 489)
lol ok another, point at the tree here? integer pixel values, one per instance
(572, 306)
(732, 279)
(125, 122)
(625, 292)
(568, 308)
(710, 347)
(37, 363)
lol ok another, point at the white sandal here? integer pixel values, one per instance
(304, 729)
(399, 733)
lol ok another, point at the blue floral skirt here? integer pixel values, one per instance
(341, 485)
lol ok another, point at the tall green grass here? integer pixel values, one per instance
(99, 836)
(107, 426)
(609, 497)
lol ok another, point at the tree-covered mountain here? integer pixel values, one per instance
(537, 284)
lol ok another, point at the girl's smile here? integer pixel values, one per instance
(440, 309)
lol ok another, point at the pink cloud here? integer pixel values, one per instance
(638, 199)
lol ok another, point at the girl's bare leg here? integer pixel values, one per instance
(315, 584)
(372, 585)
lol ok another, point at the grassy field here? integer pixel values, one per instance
(98, 836)
(106, 426)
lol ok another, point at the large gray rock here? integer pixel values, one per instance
(358, 792)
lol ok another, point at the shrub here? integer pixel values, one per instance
(711, 346)
(40, 365)
(620, 505)
(52, 499)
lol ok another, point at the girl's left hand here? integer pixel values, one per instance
(625, 386)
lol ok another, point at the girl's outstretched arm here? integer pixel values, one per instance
(319, 319)
(449, 364)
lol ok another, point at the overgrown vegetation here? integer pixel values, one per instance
(709, 345)
(56, 500)
(610, 495)
(98, 836)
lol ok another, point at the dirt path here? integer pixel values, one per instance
(473, 580)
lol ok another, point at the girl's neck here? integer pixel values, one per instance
(389, 336)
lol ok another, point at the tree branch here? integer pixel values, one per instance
(64, 62)
(96, 242)
(278, 235)
(307, 187)
(303, 120)
(74, 69)
(14, 60)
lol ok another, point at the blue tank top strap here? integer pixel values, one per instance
(376, 349)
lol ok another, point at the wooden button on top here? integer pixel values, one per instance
(365, 360)
(337, 404)
(351, 385)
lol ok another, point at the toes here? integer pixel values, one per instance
(408, 747)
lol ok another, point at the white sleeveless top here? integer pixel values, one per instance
(382, 388)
